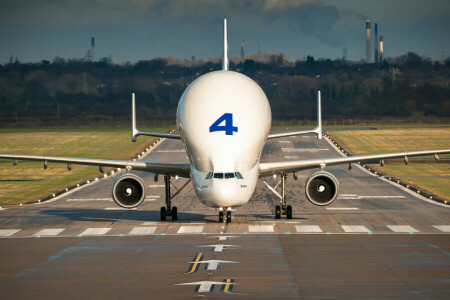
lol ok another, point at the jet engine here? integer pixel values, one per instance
(321, 188)
(128, 190)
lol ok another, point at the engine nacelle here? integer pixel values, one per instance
(128, 190)
(321, 188)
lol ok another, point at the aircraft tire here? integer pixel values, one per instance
(174, 213)
(229, 216)
(289, 212)
(220, 216)
(163, 213)
(277, 212)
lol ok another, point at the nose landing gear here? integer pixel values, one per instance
(221, 215)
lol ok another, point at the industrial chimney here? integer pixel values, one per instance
(368, 41)
(376, 43)
(381, 49)
(92, 48)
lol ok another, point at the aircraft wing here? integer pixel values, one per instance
(182, 170)
(267, 169)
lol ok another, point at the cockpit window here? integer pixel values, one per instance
(239, 175)
(218, 175)
(229, 175)
(210, 175)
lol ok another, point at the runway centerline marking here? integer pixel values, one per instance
(402, 228)
(218, 248)
(8, 232)
(190, 229)
(443, 228)
(156, 186)
(96, 231)
(355, 228)
(142, 230)
(49, 232)
(308, 228)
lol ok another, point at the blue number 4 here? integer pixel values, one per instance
(228, 127)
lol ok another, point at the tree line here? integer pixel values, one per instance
(77, 91)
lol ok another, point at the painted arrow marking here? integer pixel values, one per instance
(212, 265)
(223, 237)
(219, 248)
(208, 286)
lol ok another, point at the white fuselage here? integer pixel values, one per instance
(224, 119)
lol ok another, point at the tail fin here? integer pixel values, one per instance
(225, 63)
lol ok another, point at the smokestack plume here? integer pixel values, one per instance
(376, 43)
(381, 49)
(368, 41)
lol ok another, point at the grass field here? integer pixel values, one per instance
(29, 181)
(432, 176)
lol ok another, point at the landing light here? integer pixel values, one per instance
(176, 177)
(274, 175)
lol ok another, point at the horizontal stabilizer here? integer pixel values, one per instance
(135, 132)
(317, 130)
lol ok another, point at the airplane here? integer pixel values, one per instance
(223, 120)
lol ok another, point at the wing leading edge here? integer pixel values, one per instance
(267, 169)
(173, 169)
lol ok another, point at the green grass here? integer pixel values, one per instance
(28, 181)
(431, 176)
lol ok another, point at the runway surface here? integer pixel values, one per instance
(375, 241)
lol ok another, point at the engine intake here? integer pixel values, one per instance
(321, 188)
(128, 190)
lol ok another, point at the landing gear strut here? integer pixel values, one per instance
(282, 209)
(168, 210)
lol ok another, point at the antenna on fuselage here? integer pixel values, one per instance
(225, 47)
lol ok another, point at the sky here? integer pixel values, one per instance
(34, 30)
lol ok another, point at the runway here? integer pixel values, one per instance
(375, 241)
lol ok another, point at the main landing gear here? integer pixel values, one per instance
(282, 209)
(168, 210)
(228, 215)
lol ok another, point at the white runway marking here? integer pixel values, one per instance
(308, 228)
(95, 231)
(49, 232)
(355, 228)
(284, 142)
(190, 229)
(150, 223)
(291, 157)
(142, 230)
(2, 208)
(8, 232)
(303, 149)
(218, 248)
(170, 151)
(260, 228)
(96, 199)
(402, 228)
(348, 195)
(443, 228)
(156, 186)
(342, 208)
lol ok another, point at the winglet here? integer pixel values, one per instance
(319, 117)
(134, 131)
(225, 47)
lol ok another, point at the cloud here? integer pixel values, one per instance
(311, 18)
